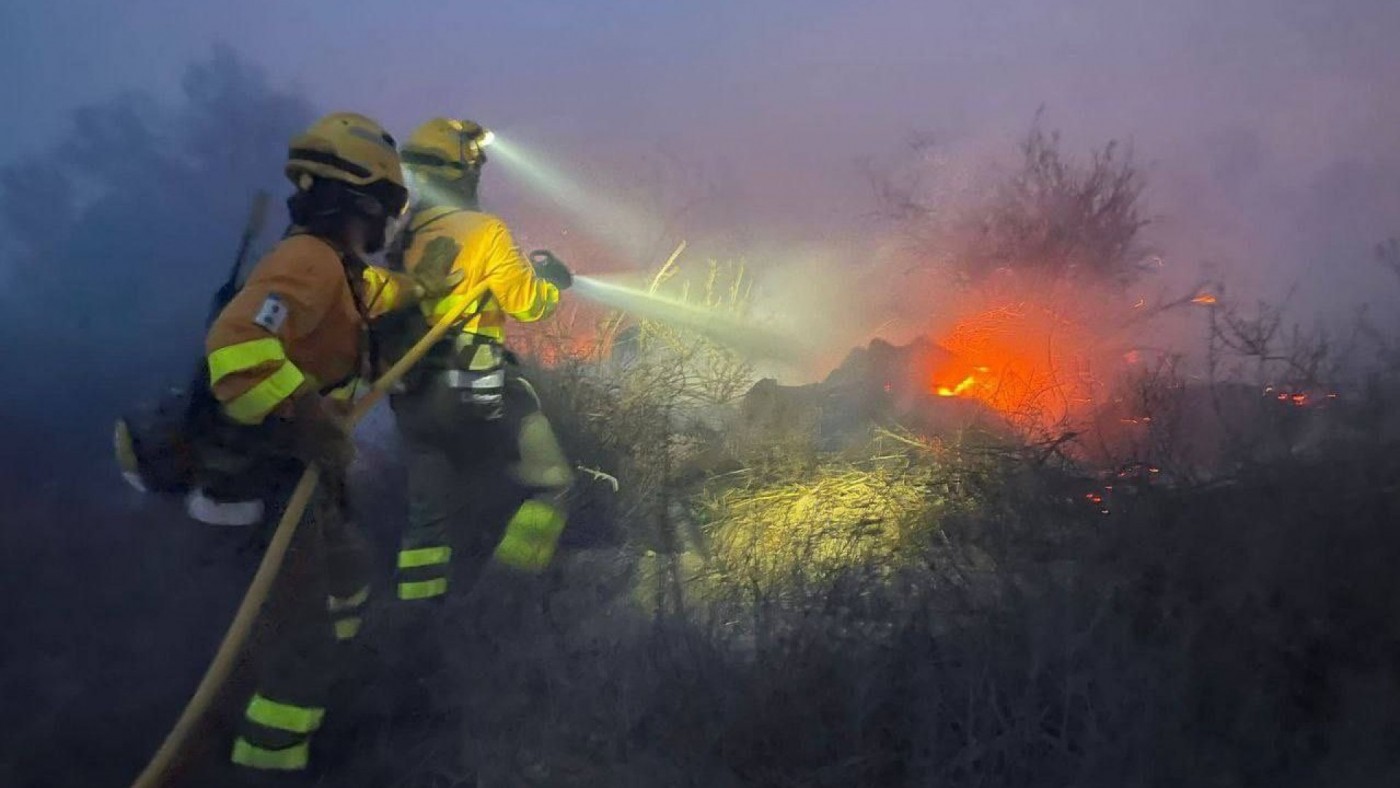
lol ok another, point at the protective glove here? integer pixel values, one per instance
(322, 434)
(434, 277)
(551, 269)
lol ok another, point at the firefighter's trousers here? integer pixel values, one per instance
(314, 608)
(484, 485)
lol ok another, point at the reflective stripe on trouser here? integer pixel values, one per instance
(424, 571)
(276, 735)
(347, 574)
(345, 613)
(531, 536)
(292, 758)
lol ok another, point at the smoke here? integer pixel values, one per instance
(1267, 127)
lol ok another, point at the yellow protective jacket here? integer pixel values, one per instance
(295, 325)
(483, 251)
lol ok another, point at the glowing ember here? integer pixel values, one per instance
(1204, 299)
(967, 383)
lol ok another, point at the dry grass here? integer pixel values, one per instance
(816, 517)
(838, 518)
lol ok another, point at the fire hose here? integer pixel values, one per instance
(159, 770)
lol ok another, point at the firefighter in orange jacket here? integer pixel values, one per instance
(295, 332)
(472, 427)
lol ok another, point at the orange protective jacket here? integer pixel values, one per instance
(295, 325)
(483, 251)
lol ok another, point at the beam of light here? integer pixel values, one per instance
(631, 230)
(601, 215)
(749, 339)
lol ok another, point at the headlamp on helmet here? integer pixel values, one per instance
(447, 148)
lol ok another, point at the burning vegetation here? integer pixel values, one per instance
(1020, 550)
(1039, 272)
(1040, 357)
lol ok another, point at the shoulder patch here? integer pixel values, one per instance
(438, 257)
(272, 314)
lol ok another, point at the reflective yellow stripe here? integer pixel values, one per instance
(424, 556)
(292, 758)
(543, 305)
(244, 355)
(253, 405)
(336, 604)
(347, 628)
(439, 308)
(531, 537)
(283, 716)
(424, 589)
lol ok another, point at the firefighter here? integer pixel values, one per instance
(473, 428)
(295, 332)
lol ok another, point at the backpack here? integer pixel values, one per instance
(152, 440)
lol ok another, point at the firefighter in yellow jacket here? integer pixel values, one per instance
(295, 332)
(472, 427)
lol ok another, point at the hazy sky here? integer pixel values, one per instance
(1272, 127)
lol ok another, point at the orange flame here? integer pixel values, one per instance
(1019, 359)
(1204, 299)
(1029, 351)
(967, 383)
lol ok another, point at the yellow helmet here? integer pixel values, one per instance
(446, 148)
(346, 147)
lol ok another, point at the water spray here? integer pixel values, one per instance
(752, 340)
